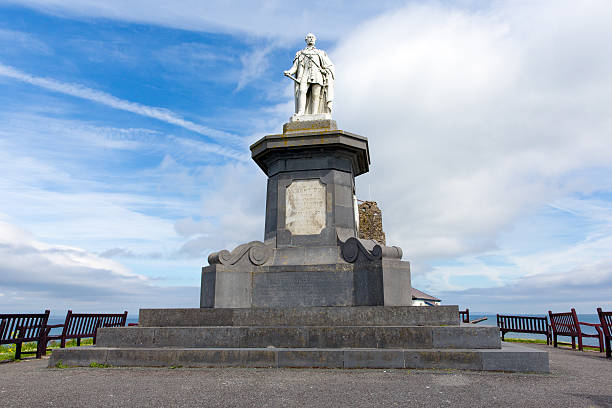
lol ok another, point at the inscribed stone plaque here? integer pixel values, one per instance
(305, 207)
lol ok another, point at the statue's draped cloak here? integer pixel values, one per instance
(304, 75)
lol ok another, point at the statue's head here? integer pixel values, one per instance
(310, 39)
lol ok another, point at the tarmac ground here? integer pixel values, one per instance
(577, 379)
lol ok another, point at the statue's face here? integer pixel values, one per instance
(311, 39)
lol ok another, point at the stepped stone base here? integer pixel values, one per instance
(423, 337)
(317, 337)
(510, 357)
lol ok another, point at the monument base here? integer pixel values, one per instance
(316, 337)
(338, 284)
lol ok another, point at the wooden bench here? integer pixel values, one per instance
(20, 328)
(567, 324)
(464, 316)
(523, 324)
(85, 325)
(605, 319)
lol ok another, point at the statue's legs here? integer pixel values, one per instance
(315, 98)
(301, 98)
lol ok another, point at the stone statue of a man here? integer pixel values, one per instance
(313, 73)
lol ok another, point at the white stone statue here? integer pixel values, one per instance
(313, 73)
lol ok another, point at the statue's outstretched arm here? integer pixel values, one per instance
(293, 69)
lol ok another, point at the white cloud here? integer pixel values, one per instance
(465, 136)
(284, 19)
(476, 120)
(104, 98)
(37, 275)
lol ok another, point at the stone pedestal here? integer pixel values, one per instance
(311, 254)
(289, 301)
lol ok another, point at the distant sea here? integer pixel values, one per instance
(491, 321)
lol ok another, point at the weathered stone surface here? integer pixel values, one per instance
(468, 337)
(310, 125)
(516, 358)
(398, 337)
(457, 359)
(311, 358)
(370, 222)
(338, 284)
(374, 359)
(305, 207)
(511, 358)
(396, 282)
(329, 144)
(302, 316)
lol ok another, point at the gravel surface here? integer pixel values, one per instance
(577, 379)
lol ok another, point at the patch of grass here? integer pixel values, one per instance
(70, 343)
(7, 351)
(59, 364)
(559, 343)
(175, 367)
(93, 364)
(538, 341)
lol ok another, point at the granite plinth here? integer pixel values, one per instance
(302, 316)
(311, 125)
(381, 337)
(374, 283)
(510, 357)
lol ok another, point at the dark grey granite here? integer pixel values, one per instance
(416, 337)
(396, 278)
(333, 143)
(468, 337)
(307, 316)
(295, 285)
(374, 359)
(511, 358)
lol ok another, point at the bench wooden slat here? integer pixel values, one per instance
(523, 324)
(567, 324)
(605, 318)
(24, 327)
(85, 325)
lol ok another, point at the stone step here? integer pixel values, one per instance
(304, 316)
(510, 357)
(425, 337)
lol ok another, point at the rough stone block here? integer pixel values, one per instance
(233, 287)
(294, 337)
(225, 358)
(396, 283)
(78, 356)
(463, 360)
(310, 125)
(516, 358)
(303, 316)
(311, 358)
(483, 337)
(374, 359)
(126, 337)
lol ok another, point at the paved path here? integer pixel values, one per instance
(577, 380)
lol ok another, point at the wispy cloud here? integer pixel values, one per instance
(104, 98)
(18, 41)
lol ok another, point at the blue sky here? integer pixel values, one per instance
(125, 126)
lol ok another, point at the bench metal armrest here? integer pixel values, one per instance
(597, 327)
